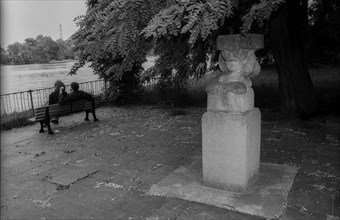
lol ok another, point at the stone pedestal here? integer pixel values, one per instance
(231, 149)
(231, 127)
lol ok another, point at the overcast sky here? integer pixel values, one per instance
(21, 19)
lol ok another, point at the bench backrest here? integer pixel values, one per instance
(65, 109)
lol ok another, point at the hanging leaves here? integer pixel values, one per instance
(110, 30)
(260, 12)
(115, 35)
(199, 18)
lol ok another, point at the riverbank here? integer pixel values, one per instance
(62, 61)
(103, 170)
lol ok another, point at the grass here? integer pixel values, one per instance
(177, 111)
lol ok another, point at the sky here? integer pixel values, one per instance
(21, 19)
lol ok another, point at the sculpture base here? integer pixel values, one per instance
(266, 198)
(231, 149)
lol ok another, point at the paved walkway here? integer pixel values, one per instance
(102, 170)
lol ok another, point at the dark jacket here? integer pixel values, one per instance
(75, 95)
(54, 97)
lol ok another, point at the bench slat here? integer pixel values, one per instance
(40, 119)
(40, 113)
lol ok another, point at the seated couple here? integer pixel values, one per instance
(61, 96)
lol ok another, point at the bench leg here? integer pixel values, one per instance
(41, 127)
(94, 115)
(94, 110)
(87, 115)
(48, 121)
(49, 127)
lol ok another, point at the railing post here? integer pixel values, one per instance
(105, 86)
(31, 97)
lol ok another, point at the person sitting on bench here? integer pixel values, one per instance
(53, 98)
(75, 94)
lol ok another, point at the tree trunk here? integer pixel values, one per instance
(286, 41)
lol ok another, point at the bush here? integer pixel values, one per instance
(14, 122)
(173, 91)
(122, 91)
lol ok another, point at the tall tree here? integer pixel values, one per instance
(183, 33)
(14, 52)
(41, 49)
(4, 56)
(287, 37)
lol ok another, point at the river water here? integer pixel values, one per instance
(20, 78)
(17, 80)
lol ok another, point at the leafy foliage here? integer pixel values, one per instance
(172, 91)
(115, 36)
(259, 12)
(203, 18)
(109, 38)
(177, 61)
(195, 17)
(323, 46)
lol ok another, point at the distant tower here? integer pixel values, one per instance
(61, 31)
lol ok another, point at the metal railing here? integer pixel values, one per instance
(22, 104)
(144, 92)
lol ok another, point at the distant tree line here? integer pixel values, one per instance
(41, 49)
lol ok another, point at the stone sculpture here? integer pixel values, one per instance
(231, 90)
(231, 127)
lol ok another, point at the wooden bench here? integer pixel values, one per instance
(45, 113)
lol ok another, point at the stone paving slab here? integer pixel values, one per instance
(72, 174)
(266, 198)
(330, 217)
